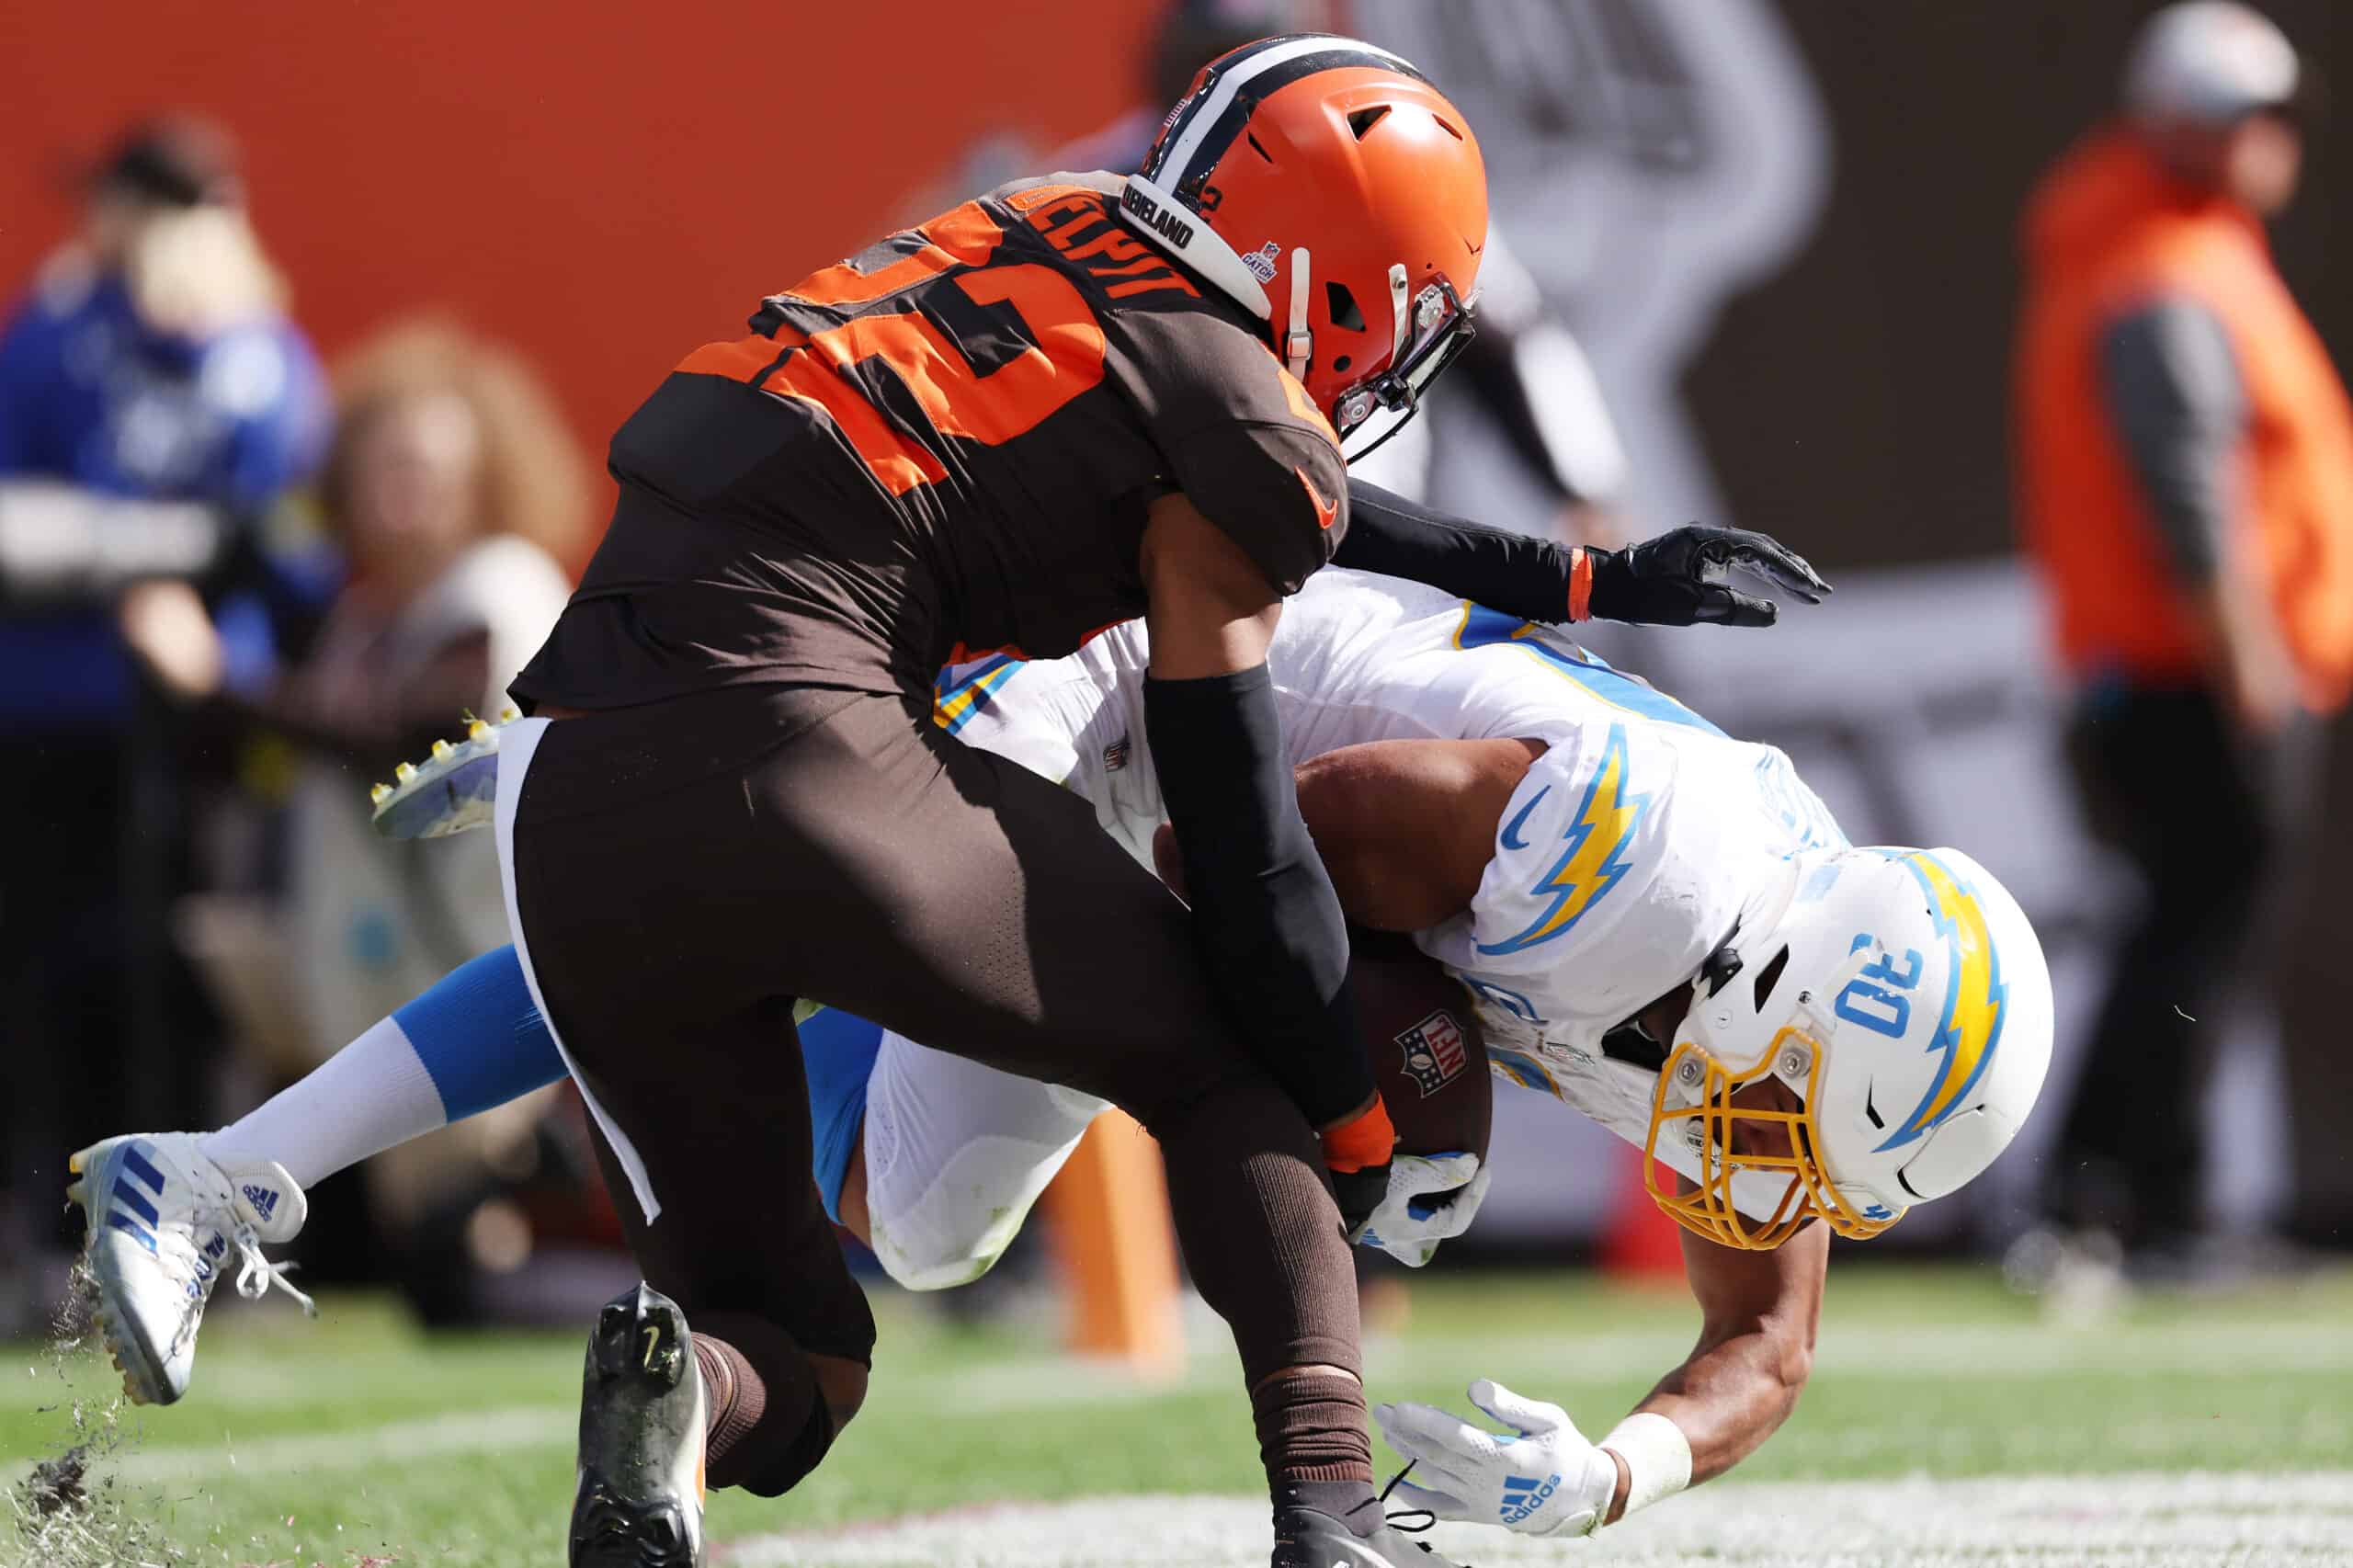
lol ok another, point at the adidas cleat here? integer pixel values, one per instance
(454, 790)
(639, 1501)
(163, 1220)
(1306, 1538)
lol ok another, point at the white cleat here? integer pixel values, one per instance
(455, 790)
(164, 1219)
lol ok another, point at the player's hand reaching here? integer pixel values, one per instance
(1539, 1478)
(1430, 1199)
(1682, 578)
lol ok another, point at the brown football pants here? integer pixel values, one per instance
(676, 900)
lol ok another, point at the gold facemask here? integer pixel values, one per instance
(1704, 1127)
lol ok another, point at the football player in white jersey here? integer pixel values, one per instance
(1660, 925)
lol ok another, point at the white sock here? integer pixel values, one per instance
(370, 1095)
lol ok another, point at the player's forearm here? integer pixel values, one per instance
(1398, 538)
(1264, 915)
(1732, 1395)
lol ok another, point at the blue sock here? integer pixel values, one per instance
(483, 1043)
(837, 1051)
(480, 1038)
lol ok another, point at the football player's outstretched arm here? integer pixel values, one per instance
(1681, 578)
(1542, 1476)
(1757, 1314)
(1265, 916)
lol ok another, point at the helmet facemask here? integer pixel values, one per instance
(1430, 332)
(1696, 1122)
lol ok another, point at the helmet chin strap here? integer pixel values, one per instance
(1400, 300)
(1299, 344)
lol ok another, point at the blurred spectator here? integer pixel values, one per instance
(455, 492)
(2186, 463)
(154, 403)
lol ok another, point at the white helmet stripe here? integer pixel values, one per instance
(1178, 162)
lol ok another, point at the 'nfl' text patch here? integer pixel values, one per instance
(1433, 1052)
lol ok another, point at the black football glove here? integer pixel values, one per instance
(1679, 578)
(1359, 1193)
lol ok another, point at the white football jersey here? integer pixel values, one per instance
(1622, 862)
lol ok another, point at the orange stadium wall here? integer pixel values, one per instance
(603, 185)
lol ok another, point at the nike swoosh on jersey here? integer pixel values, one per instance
(1326, 511)
(1511, 837)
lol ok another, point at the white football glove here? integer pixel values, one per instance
(1408, 1225)
(1542, 1478)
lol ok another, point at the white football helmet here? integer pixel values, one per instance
(1902, 997)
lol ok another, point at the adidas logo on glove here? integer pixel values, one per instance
(1523, 1497)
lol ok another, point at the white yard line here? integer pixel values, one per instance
(2128, 1521)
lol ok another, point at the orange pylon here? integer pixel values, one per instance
(1638, 1241)
(1118, 1249)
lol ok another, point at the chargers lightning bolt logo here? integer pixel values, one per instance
(1975, 999)
(1595, 860)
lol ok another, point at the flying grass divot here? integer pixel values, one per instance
(66, 1513)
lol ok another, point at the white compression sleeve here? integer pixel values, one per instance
(370, 1095)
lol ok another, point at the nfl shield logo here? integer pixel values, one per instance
(1433, 1052)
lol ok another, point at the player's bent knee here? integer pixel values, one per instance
(780, 1472)
(943, 1261)
(944, 1221)
(841, 1386)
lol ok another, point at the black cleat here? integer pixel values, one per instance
(1306, 1538)
(640, 1503)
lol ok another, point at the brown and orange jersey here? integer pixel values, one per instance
(944, 445)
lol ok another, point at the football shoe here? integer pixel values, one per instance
(163, 1220)
(1306, 1539)
(640, 1498)
(454, 789)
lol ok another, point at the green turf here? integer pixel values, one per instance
(357, 1434)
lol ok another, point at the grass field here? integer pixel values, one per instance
(1945, 1424)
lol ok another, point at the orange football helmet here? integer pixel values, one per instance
(1326, 186)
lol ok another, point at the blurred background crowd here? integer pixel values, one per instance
(305, 372)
